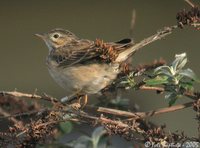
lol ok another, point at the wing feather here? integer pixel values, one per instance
(85, 51)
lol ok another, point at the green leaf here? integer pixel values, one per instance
(172, 101)
(187, 86)
(163, 70)
(67, 116)
(104, 143)
(157, 80)
(82, 142)
(190, 74)
(66, 127)
(179, 62)
(96, 135)
(128, 82)
(119, 101)
(172, 97)
(124, 82)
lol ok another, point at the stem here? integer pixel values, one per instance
(139, 115)
(190, 3)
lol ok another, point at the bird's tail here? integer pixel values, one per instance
(123, 56)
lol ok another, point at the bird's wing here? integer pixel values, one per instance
(74, 53)
(86, 51)
(121, 45)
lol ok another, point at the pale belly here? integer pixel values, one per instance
(87, 79)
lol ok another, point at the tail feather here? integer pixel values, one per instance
(123, 56)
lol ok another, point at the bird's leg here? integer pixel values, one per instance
(80, 100)
(85, 100)
(72, 97)
(75, 102)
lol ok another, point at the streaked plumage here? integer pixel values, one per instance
(78, 64)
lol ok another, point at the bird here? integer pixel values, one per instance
(81, 66)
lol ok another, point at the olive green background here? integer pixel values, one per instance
(22, 55)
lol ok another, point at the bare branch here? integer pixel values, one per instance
(159, 35)
(189, 94)
(30, 96)
(13, 119)
(135, 115)
(139, 115)
(133, 21)
(190, 3)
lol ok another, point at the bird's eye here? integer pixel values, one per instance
(56, 36)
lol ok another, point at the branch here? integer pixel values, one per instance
(49, 118)
(30, 96)
(136, 115)
(159, 35)
(189, 94)
(190, 3)
(6, 114)
(140, 115)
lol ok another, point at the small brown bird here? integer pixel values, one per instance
(83, 66)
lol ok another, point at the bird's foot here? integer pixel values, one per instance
(76, 105)
(77, 101)
(84, 101)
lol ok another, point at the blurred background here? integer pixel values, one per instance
(22, 57)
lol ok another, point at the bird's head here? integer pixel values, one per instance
(57, 38)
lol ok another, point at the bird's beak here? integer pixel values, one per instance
(40, 35)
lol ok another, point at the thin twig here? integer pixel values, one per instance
(139, 115)
(26, 95)
(13, 119)
(133, 21)
(159, 35)
(190, 3)
(188, 94)
(143, 87)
